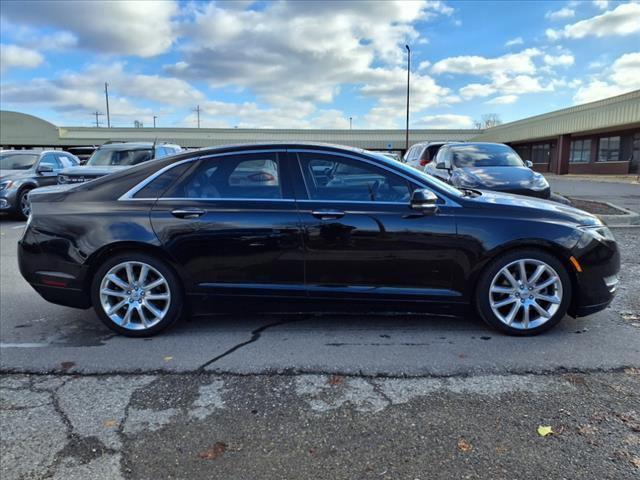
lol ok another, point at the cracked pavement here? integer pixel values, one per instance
(307, 396)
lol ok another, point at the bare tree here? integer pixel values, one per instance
(488, 120)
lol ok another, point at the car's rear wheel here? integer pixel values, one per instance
(524, 292)
(136, 294)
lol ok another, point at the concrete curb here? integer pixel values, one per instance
(628, 218)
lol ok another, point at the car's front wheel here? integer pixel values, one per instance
(23, 205)
(136, 294)
(524, 292)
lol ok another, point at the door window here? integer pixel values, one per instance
(51, 159)
(336, 178)
(249, 176)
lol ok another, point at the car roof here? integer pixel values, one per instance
(32, 152)
(464, 144)
(241, 147)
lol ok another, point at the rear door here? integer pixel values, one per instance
(231, 221)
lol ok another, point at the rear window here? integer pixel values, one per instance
(108, 157)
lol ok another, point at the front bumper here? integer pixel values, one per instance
(597, 284)
(8, 199)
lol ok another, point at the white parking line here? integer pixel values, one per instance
(23, 345)
(19, 226)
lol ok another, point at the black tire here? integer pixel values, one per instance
(22, 196)
(174, 310)
(482, 297)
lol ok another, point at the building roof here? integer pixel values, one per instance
(623, 110)
(607, 114)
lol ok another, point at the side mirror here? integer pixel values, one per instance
(441, 166)
(528, 163)
(424, 200)
(45, 169)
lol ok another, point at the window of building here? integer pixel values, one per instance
(609, 149)
(540, 153)
(635, 154)
(580, 151)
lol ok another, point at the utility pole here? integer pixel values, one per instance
(97, 114)
(197, 110)
(350, 122)
(106, 96)
(406, 141)
(154, 121)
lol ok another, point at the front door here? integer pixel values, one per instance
(363, 241)
(231, 221)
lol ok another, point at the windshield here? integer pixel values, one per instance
(102, 158)
(484, 156)
(428, 179)
(17, 161)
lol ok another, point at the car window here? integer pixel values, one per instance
(156, 187)
(484, 155)
(66, 160)
(51, 159)
(17, 161)
(250, 176)
(337, 178)
(108, 157)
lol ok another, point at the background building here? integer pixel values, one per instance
(601, 137)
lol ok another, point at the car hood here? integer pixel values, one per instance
(552, 210)
(89, 171)
(500, 177)
(14, 174)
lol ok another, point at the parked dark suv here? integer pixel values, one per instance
(326, 226)
(23, 170)
(111, 157)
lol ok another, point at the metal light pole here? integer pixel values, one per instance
(106, 96)
(154, 121)
(197, 110)
(406, 141)
(350, 122)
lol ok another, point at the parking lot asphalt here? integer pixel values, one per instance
(36, 336)
(626, 195)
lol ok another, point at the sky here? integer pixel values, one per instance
(312, 64)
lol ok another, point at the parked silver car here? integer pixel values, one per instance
(23, 170)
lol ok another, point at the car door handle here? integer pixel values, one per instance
(188, 212)
(327, 214)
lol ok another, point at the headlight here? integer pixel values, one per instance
(599, 232)
(464, 180)
(539, 182)
(6, 185)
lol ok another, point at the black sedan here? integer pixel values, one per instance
(487, 166)
(331, 227)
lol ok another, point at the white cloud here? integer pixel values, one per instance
(521, 62)
(623, 76)
(142, 28)
(563, 60)
(446, 121)
(476, 90)
(622, 20)
(503, 100)
(13, 56)
(564, 12)
(514, 41)
(601, 4)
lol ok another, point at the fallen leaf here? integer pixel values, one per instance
(587, 430)
(211, 454)
(635, 461)
(67, 365)
(501, 450)
(335, 380)
(464, 446)
(168, 359)
(544, 430)
(110, 423)
(632, 371)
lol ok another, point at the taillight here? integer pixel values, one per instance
(261, 177)
(424, 162)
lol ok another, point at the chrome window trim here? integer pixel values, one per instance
(128, 196)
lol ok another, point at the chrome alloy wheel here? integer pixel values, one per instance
(525, 294)
(25, 204)
(134, 295)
